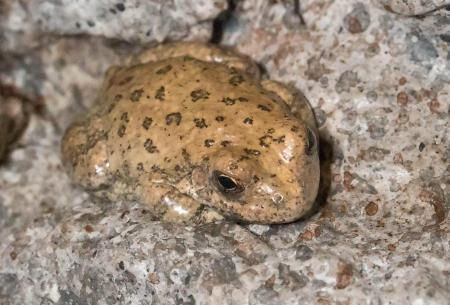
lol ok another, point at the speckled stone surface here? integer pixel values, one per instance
(415, 7)
(379, 84)
(28, 24)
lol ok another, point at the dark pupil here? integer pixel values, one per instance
(311, 142)
(227, 183)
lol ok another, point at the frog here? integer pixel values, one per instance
(197, 134)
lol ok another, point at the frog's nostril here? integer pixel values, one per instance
(310, 142)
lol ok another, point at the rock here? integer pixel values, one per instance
(381, 227)
(259, 229)
(347, 80)
(357, 20)
(25, 24)
(422, 49)
(413, 7)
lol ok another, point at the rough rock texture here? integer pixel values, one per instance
(414, 7)
(379, 84)
(27, 24)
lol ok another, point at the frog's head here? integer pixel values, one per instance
(277, 183)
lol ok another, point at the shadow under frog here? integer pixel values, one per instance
(193, 132)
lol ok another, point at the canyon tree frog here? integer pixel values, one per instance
(195, 133)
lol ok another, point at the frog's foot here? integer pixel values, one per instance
(295, 99)
(169, 205)
(200, 51)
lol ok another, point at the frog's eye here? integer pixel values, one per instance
(310, 142)
(227, 184)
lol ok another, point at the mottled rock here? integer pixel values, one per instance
(25, 25)
(357, 20)
(422, 49)
(381, 96)
(347, 80)
(413, 7)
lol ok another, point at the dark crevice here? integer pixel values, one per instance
(221, 21)
(298, 12)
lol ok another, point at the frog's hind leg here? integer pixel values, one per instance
(200, 51)
(296, 101)
(85, 154)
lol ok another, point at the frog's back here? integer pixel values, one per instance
(173, 113)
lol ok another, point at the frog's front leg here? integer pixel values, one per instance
(170, 205)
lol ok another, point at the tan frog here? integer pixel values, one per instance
(192, 131)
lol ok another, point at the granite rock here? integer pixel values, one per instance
(29, 24)
(414, 7)
(380, 234)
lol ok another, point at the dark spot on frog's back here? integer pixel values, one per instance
(136, 95)
(264, 107)
(117, 98)
(148, 145)
(248, 121)
(114, 102)
(200, 123)
(228, 101)
(236, 79)
(220, 118)
(164, 70)
(160, 94)
(252, 152)
(125, 81)
(265, 141)
(147, 123)
(225, 143)
(280, 139)
(233, 166)
(155, 168)
(140, 166)
(173, 118)
(124, 117)
(121, 130)
(209, 142)
(186, 155)
(199, 94)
